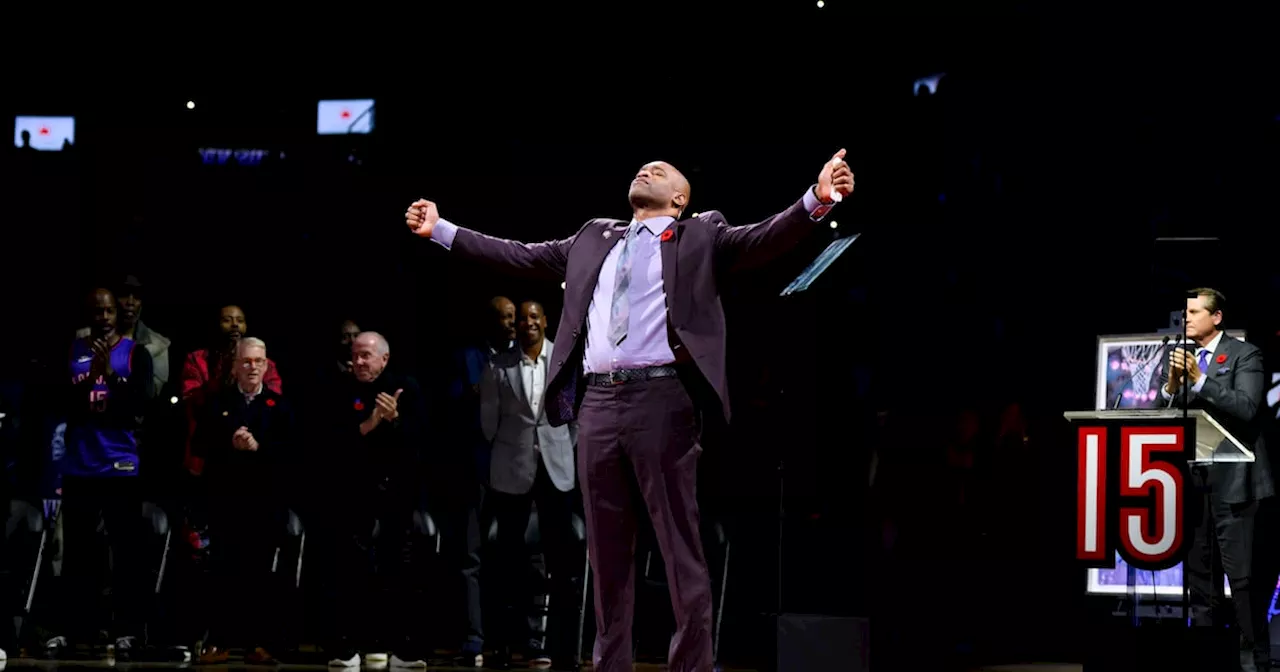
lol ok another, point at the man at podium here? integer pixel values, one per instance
(1224, 377)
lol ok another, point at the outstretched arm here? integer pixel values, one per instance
(538, 261)
(741, 248)
(745, 247)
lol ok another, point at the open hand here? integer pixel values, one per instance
(101, 358)
(421, 217)
(1191, 365)
(1183, 367)
(836, 178)
(387, 408)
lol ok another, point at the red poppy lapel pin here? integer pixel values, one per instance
(271, 402)
(358, 406)
(1222, 359)
(666, 235)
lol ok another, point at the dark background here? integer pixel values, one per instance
(1008, 220)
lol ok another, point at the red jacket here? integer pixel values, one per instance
(200, 383)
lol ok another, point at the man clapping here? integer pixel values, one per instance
(376, 421)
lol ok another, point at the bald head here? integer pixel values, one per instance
(502, 329)
(101, 305)
(659, 189)
(373, 339)
(369, 356)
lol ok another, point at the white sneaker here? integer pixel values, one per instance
(354, 661)
(3, 655)
(410, 664)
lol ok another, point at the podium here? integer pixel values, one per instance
(1133, 475)
(1213, 443)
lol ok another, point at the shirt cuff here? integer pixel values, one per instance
(1199, 383)
(817, 209)
(443, 232)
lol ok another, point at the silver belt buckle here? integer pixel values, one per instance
(613, 377)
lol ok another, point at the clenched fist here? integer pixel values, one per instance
(421, 217)
(836, 178)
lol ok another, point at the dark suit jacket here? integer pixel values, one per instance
(1233, 394)
(266, 473)
(698, 253)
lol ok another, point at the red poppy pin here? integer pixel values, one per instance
(358, 406)
(666, 235)
(1222, 359)
(271, 402)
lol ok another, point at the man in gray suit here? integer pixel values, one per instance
(1224, 377)
(531, 463)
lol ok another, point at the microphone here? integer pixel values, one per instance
(1120, 395)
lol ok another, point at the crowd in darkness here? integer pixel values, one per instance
(237, 460)
(233, 453)
(240, 443)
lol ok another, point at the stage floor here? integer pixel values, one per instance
(51, 665)
(67, 666)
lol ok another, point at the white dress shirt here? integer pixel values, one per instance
(533, 373)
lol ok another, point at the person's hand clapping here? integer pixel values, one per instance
(387, 406)
(1178, 358)
(836, 178)
(243, 440)
(421, 217)
(101, 365)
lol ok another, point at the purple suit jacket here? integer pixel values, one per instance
(700, 251)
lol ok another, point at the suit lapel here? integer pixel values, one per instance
(615, 235)
(602, 246)
(548, 351)
(1221, 350)
(668, 251)
(516, 377)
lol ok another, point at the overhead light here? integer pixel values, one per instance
(821, 4)
(191, 104)
(834, 224)
(562, 285)
(929, 83)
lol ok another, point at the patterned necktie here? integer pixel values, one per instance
(1204, 360)
(620, 314)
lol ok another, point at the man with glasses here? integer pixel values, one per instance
(245, 438)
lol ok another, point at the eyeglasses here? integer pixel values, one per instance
(253, 363)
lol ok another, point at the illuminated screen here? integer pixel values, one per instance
(340, 117)
(1129, 370)
(819, 265)
(46, 133)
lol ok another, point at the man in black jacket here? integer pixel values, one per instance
(1224, 377)
(378, 437)
(245, 438)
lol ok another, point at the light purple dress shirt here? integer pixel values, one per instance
(646, 343)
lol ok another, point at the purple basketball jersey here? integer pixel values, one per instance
(98, 449)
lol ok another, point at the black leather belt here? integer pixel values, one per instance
(631, 375)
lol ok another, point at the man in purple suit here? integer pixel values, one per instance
(643, 334)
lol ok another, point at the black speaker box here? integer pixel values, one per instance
(808, 643)
(1161, 646)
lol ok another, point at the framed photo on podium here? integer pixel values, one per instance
(1128, 377)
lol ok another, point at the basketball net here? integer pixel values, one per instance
(1139, 358)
